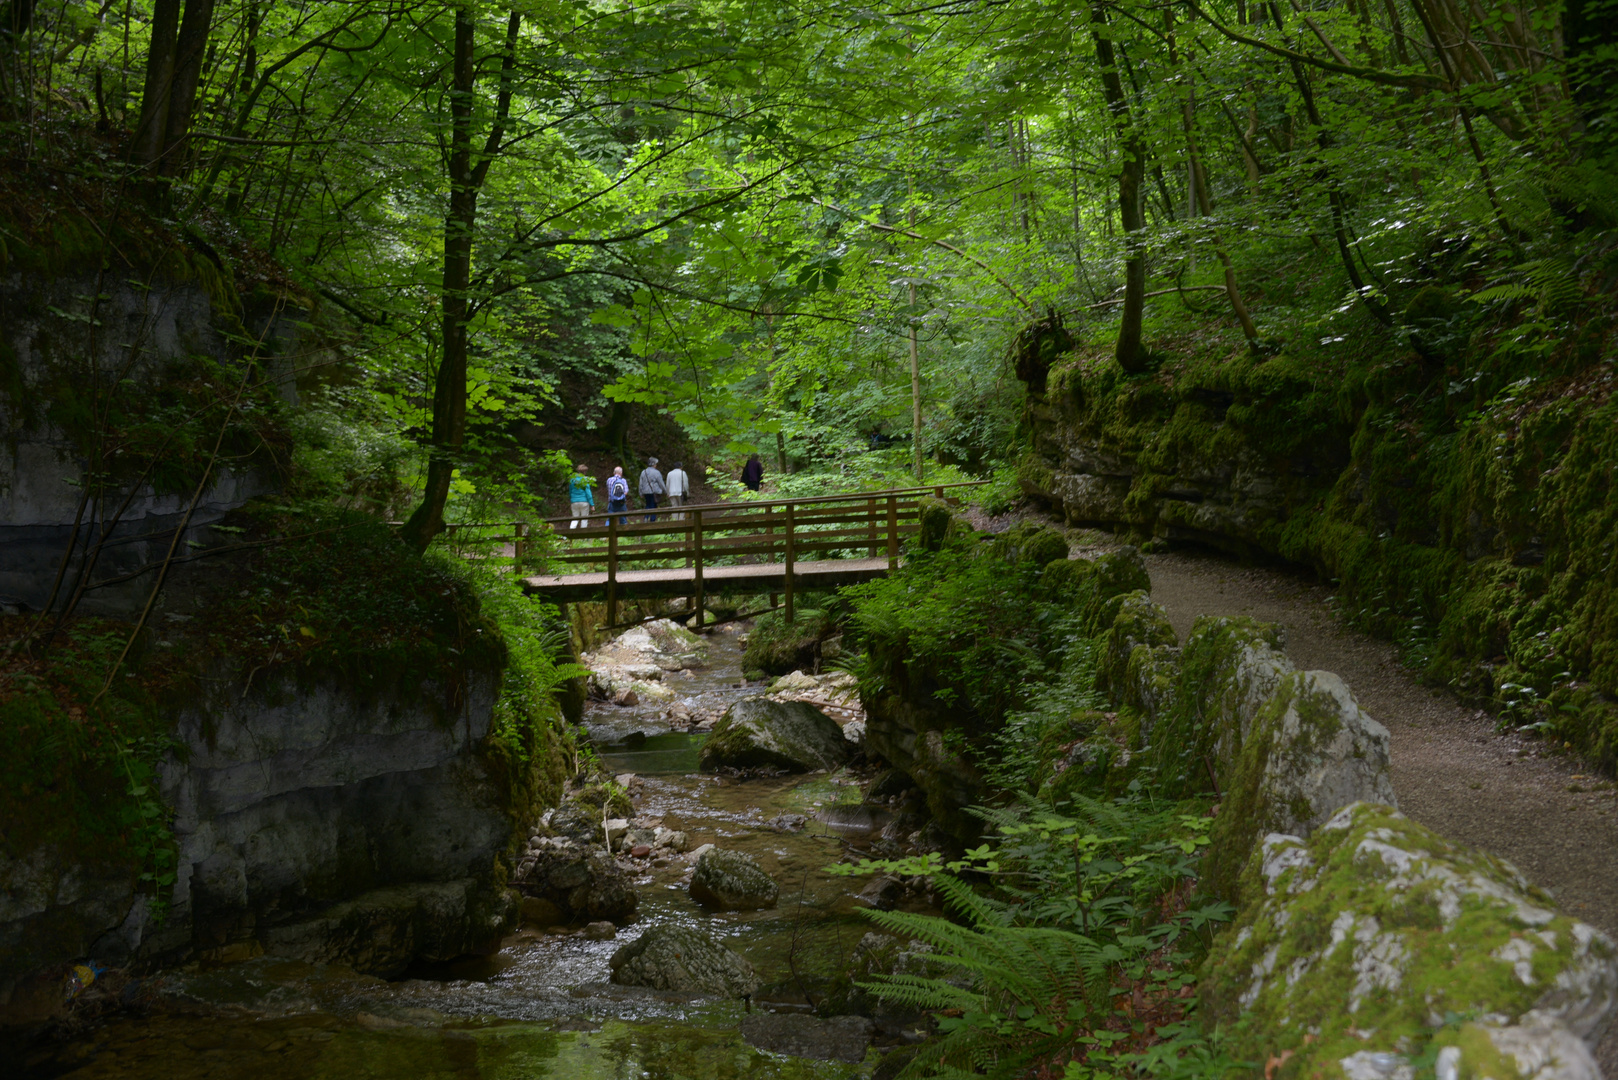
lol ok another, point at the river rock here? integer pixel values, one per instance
(758, 732)
(682, 958)
(1310, 752)
(583, 882)
(839, 1038)
(732, 881)
(671, 839)
(1376, 942)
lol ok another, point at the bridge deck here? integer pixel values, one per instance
(681, 581)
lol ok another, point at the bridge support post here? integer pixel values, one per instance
(612, 571)
(788, 564)
(697, 599)
(870, 529)
(893, 531)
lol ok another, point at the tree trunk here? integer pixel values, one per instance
(1130, 174)
(449, 389)
(152, 127)
(189, 49)
(465, 180)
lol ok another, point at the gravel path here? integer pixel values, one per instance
(1452, 772)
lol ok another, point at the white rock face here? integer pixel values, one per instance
(636, 662)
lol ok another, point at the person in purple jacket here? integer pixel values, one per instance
(753, 473)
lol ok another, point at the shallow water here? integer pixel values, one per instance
(543, 1006)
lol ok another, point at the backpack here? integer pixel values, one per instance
(617, 488)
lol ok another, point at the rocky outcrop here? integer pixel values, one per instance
(310, 820)
(633, 664)
(52, 347)
(764, 733)
(670, 957)
(1376, 943)
(732, 881)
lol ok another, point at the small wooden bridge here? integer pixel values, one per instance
(775, 546)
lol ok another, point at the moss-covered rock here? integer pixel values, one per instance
(1139, 622)
(1031, 541)
(762, 732)
(776, 646)
(681, 958)
(1310, 752)
(732, 881)
(1228, 670)
(1378, 937)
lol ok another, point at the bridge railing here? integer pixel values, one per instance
(700, 536)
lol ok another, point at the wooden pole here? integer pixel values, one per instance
(612, 571)
(893, 531)
(521, 531)
(696, 560)
(788, 564)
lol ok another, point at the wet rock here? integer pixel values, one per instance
(583, 882)
(638, 838)
(671, 957)
(786, 823)
(600, 931)
(759, 732)
(626, 697)
(795, 681)
(732, 881)
(854, 732)
(539, 911)
(840, 1038)
(671, 839)
(1377, 928)
(381, 932)
(882, 892)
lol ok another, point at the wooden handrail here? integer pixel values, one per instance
(750, 504)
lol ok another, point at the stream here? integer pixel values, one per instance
(542, 1006)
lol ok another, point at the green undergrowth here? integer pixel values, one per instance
(79, 753)
(1458, 487)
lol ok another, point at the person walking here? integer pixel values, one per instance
(753, 473)
(679, 485)
(581, 496)
(617, 495)
(651, 486)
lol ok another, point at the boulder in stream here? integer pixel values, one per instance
(582, 882)
(732, 881)
(682, 958)
(758, 732)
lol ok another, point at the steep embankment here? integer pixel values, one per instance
(1470, 518)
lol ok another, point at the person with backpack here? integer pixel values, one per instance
(617, 494)
(651, 486)
(581, 496)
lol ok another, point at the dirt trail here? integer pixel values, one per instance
(1451, 770)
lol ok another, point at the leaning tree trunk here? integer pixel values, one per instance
(1132, 171)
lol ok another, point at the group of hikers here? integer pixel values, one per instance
(652, 486)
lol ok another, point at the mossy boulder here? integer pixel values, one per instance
(1117, 574)
(765, 733)
(681, 958)
(1032, 542)
(1139, 623)
(776, 645)
(732, 881)
(1369, 946)
(1068, 579)
(1311, 751)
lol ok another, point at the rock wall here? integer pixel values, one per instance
(60, 355)
(1477, 530)
(312, 822)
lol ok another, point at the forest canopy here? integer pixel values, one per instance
(821, 226)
